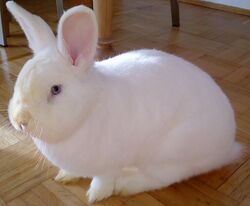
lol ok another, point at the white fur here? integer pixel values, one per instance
(136, 122)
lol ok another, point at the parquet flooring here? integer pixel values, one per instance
(217, 41)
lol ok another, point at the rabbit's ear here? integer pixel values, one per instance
(38, 32)
(77, 35)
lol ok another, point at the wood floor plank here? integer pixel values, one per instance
(6, 140)
(245, 61)
(236, 179)
(201, 44)
(243, 124)
(143, 199)
(25, 186)
(46, 196)
(183, 194)
(216, 67)
(213, 194)
(15, 155)
(234, 54)
(217, 178)
(17, 202)
(238, 75)
(62, 194)
(235, 92)
(243, 190)
(246, 201)
(2, 203)
(190, 55)
(32, 199)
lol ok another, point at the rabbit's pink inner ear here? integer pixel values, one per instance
(79, 34)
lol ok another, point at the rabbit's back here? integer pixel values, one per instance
(163, 101)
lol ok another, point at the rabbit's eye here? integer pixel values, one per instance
(55, 89)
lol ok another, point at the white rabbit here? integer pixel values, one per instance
(136, 122)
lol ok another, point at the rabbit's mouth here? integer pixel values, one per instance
(28, 128)
(23, 122)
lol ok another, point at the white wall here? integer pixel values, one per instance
(245, 4)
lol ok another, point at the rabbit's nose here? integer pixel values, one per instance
(22, 119)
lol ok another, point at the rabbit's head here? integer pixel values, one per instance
(52, 94)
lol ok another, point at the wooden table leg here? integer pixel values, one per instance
(175, 13)
(59, 8)
(4, 23)
(104, 13)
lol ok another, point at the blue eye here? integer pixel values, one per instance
(56, 89)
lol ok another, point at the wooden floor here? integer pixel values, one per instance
(216, 41)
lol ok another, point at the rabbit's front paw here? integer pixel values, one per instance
(64, 177)
(100, 189)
